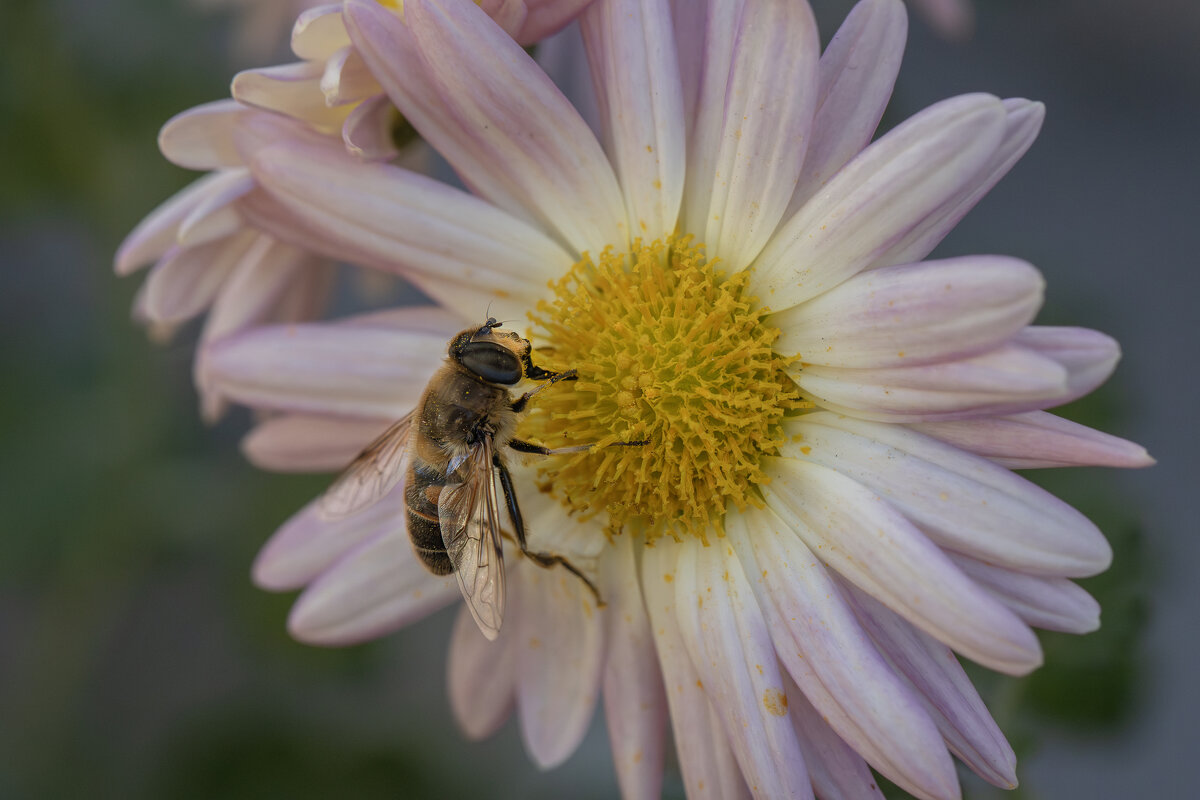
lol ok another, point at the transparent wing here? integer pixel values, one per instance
(371, 474)
(470, 521)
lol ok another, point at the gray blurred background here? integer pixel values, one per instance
(136, 659)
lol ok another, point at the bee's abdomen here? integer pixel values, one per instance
(421, 498)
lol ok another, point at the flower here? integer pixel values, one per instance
(823, 515)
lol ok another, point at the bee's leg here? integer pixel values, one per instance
(529, 447)
(546, 560)
(551, 379)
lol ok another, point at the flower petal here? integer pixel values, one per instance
(949, 697)
(962, 502)
(186, 281)
(560, 652)
(837, 668)
(881, 195)
(1088, 356)
(482, 676)
(202, 137)
(1006, 380)
(871, 545)
(319, 32)
(730, 646)
(214, 217)
(290, 89)
(635, 702)
(838, 772)
(378, 587)
(547, 17)
(1037, 439)
(1055, 604)
(857, 72)
(630, 50)
(155, 234)
(367, 132)
(705, 758)
(476, 96)
(346, 78)
(753, 122)
(913, 314)
(359, 367)
(309, 443)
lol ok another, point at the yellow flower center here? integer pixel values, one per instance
(669, 351)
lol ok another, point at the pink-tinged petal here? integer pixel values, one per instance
(954, 19)
(155, 234)
(962, 502)
(1088, 356)
(347, 79)
(874, 547)
(838, 772)
(753, 122)
(378, 587)
(367, 132)
(309, 443)
(1021, 127)
(547, 17)
(202, 137)
(951, 699)
(319, 33)
(837, 668)
(1055, 604)
(690, 20)
(636, 75)
(560, 652)
(730, 646)
(482, 676)
(407, 222)
(290, 89)
(857, 72)
(476, 96)
(635, 702)
(885, 192)
(308, 544)
(214, 217)
(913, 314)
(1006, 380)
(187, 279)
(705, 758)
(1037, 439)
(348, 369)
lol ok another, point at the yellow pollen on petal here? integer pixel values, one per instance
(670, 352)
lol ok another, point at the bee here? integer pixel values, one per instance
(449, 450)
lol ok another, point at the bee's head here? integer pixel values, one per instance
(495, 356)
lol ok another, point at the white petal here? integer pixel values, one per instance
(319, 32)
(155, 234)
(202, 137)
(560, 651)
(1088, 356)
(377, 588)
(705, 758)
(753, 122)
(355, 368)
(1037, 439)
(215, 217)
(838, 772)
(838, 669)
(913, 314)
(1055, 604)
(482, 676)
(730, 646)
(635, 702)
(1006, 380)
(476, 96)
(857, 72)
(290, 89)
(308, 544)
(952, 701)
(633, 63)
(962, 502)
(186, 281)
(870, 544)
(888, 190)
(346, 78)
(308, 443)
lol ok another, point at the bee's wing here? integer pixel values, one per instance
(470, 521)
(371, 474)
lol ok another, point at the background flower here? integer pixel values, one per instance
(108, 616)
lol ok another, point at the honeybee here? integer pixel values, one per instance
(449, 450)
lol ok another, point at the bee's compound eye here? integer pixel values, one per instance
(491, 362)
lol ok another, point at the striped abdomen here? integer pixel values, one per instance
(424, 486)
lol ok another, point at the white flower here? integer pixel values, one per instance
(823, 515)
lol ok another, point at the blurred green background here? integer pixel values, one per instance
(136, 659)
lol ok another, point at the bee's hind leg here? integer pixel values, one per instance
(545, 560)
